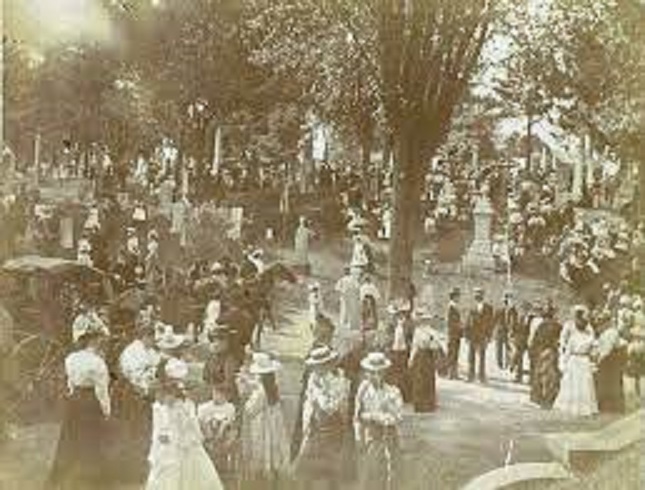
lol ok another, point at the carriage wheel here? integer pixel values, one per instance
(36, 365)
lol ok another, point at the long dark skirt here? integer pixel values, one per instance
(609, 382)
(399, 375)
(79, 462)
(423, 376)
(130, 442)
(545, 377)
(323, 451)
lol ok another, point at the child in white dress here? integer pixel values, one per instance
(178, 460)
(217, 419)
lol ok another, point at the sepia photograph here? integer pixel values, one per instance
(322, 245)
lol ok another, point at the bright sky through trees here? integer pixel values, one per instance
(48, 22)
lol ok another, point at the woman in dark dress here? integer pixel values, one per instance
(399, 351)
(544, 356)
(611, 361)
(79, 462)
(423, 374)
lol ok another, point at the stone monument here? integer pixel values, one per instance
(479, 257)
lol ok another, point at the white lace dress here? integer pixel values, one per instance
(577, 395)
(178, 460)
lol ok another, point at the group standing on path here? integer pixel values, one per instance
(352, 403)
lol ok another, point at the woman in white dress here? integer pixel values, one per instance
(178, 460)
(577, 395)
(302, 239)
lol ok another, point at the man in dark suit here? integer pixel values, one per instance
(518, 336)
(505, 320)
(478, 333)
(455, 332)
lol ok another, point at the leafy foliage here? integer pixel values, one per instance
(592, 66)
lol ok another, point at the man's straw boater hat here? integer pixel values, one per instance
(375, 362)
(321, 356)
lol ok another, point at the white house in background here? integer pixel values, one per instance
(567, 153)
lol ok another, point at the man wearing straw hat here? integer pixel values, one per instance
(377, 415)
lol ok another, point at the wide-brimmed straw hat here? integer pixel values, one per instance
(375, 362)
(321, 356)
(262, 363)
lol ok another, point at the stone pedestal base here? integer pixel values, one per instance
(479, 257)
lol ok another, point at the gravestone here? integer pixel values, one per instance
(66, 232)
(166, 191)
(479, 256)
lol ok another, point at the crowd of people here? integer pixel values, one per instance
(225, 425)
(352, 398)
(238, 433)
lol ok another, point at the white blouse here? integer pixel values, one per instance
(139, 364)
(424, 338)
(607, 341)
(328, 393)
(86, 369)
(86, 322)
(383, 406)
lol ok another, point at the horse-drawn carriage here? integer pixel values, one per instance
(39, 294)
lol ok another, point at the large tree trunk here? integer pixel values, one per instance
(408, 183)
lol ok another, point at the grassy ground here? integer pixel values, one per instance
(469, 434)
